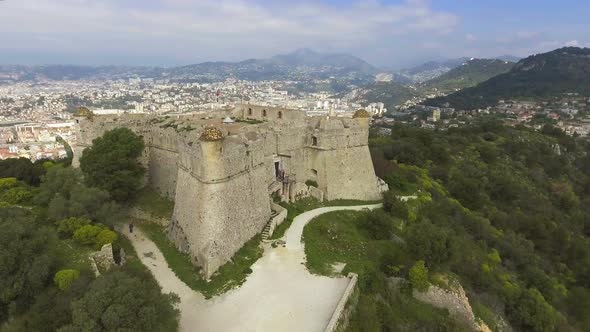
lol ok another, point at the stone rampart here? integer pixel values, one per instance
(220, 183)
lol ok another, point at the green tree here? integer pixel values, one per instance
(69, 226)
(419, 276)
(368, 317)
(27, 261)
(22, 169)
(379, 225)
(87, 234)
(63, 279)
(429, 242)
(105, 236)
(534, 313)
(63, 192)
(111, 163)
(7, 183)
(16, 195)
(117, 301)
(393, 205)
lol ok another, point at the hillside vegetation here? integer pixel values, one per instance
(389, 93)
(504, 211)
(469, 74)
(52, 219)
(565, 70)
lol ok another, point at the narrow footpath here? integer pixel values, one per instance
(279, 295)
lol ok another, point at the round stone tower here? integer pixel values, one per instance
(211, 149)
(363, 117)
(82, 115)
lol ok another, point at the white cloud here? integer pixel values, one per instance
(470, 37)
(211, 29)
(573, 43)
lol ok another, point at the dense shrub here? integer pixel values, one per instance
(379, 225)
(419, 276)
(64, 278)
(69, 226)
(105, 236)
(118, 301)
(87, 234)
(95, 235)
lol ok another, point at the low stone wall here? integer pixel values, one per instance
(316, 193)
(341, 315)
(104, 259)
(278, 219)
(137, 213)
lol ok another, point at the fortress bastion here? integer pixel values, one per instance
(221, 174)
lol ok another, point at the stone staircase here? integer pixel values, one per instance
(266, 230)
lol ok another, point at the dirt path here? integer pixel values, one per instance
(279, 295)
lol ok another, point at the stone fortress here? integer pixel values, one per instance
(222, 167)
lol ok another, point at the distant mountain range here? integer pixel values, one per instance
(299, 65)
(309, 58)
(427, 71)
(468, 74)
(538, 76)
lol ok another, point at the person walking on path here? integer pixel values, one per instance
(130, 227)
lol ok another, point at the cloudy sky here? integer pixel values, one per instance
(391, 33)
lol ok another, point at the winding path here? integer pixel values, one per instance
(279, 295)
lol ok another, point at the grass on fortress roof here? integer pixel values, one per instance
(230, 275)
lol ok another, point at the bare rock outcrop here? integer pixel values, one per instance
(455, 301)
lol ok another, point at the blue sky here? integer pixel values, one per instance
(392, 33)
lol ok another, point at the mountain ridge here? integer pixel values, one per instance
(283, 66)
(470, 73)
(543, 75)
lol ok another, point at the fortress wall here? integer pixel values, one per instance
(290, 145)
(240, 214)
(162, 144)
(349, 174)
(272, 113)
(159, 156)
(338, 134)
(231, 157)
(186, 219)
(89, 129)
(213, 220)
(163, 171)
(343, 161)
(291, 138)
(221, 188)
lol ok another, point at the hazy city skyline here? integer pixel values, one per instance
(384, 33)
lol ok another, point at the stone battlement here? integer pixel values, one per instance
(219, 172)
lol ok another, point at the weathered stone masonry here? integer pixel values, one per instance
(220, 174)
